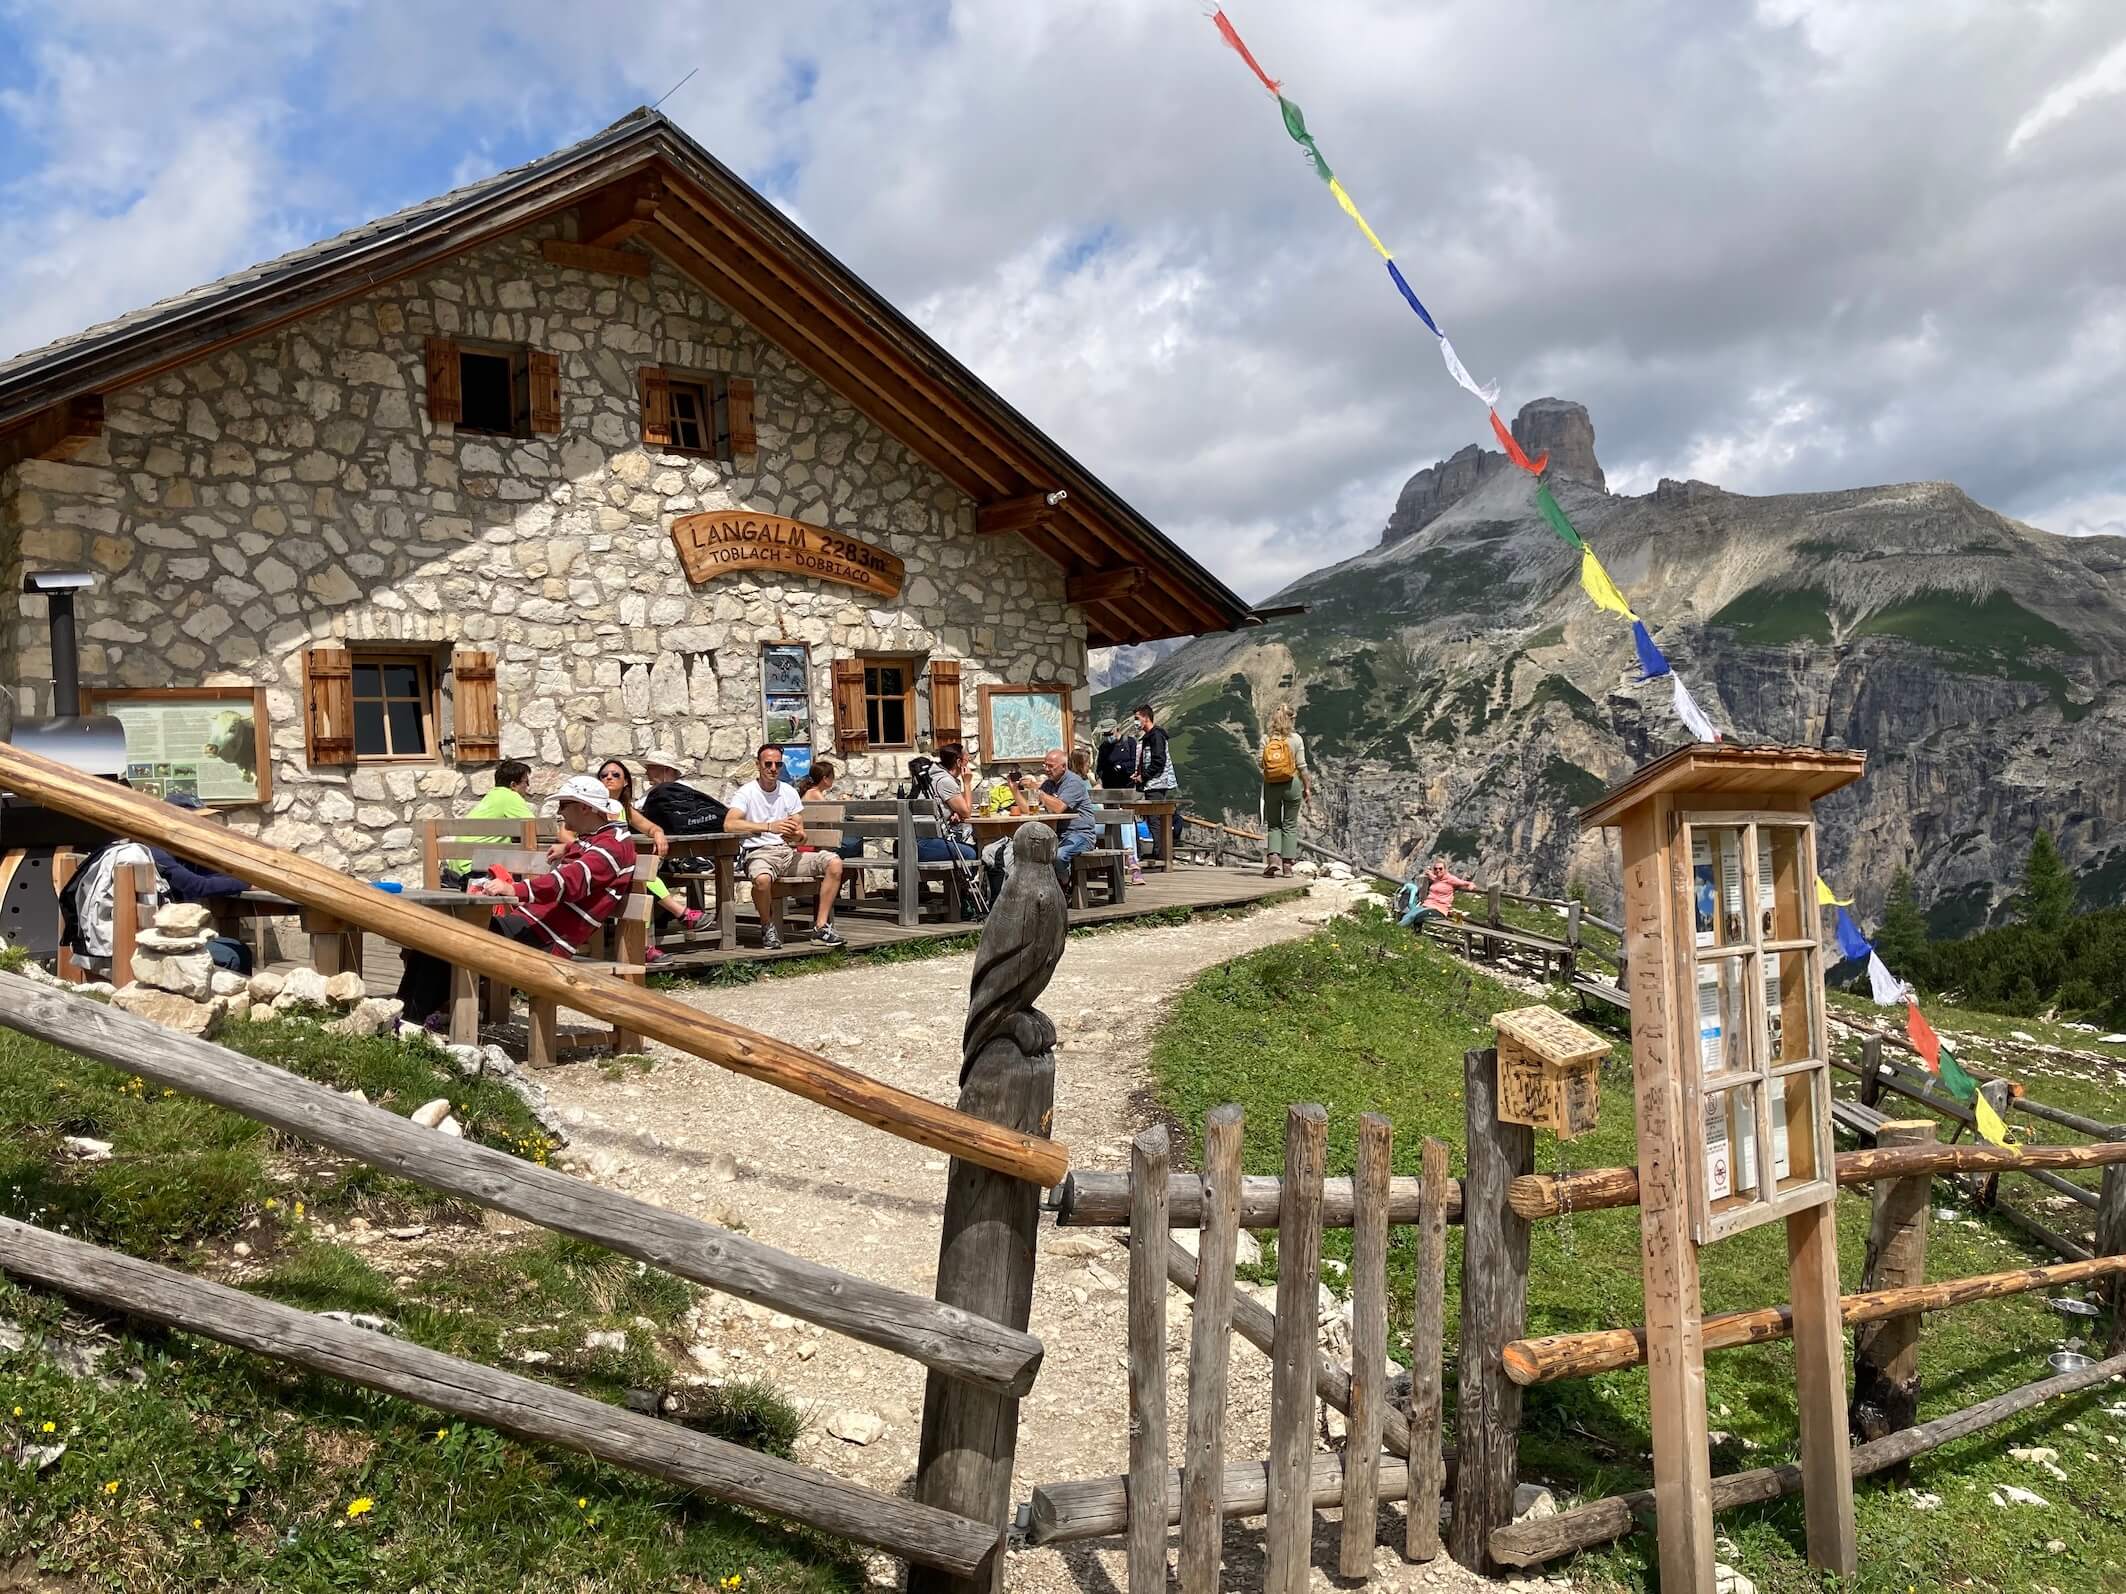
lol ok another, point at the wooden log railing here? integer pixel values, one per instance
(1555, 1356)
(501, 1400)
(1599, 1521)
(626, 1007)
(1101, 1200)
(1543, 1195)
(957, 1343)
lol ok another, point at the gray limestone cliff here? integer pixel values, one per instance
(1557, 427)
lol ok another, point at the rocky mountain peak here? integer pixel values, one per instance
(1555, 426)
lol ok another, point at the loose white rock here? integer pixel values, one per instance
(606, 1339)
(266, 985)
(300, 986)
(86, 1149)
(183, 918)
(452, 1128)
(345, 988)
(431, 1113)
(856, 1427)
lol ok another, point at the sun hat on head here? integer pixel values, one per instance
(587, 790)
(662, 758)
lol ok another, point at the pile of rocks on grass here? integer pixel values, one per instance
(176, 984)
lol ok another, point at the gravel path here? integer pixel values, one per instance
(695, 1138)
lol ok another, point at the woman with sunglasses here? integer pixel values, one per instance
(620, 786)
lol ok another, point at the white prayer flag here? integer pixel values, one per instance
(1460, 372)
(1887, 989)
(1690, 714)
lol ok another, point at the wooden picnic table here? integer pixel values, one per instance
(989, 827)
(1161, 813)
(722, 853)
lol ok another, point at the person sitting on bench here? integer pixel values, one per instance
(1062, 792)
(956, 845)
(556, 912)
(1439, 885)
(767, 811)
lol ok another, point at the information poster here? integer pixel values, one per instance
(204, 746)
(786, 704)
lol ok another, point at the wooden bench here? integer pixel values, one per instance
(621, 948)
(1862, 1122)
(902, 823)
(480, 844)
(1106, 863)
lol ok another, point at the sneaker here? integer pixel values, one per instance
(654, 954)
(827, 935)
(691, 918)
(770, 938)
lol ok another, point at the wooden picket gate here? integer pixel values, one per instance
(1393, 1449)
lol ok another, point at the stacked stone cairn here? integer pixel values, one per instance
(175, 984)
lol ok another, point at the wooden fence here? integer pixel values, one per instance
(1393, 1449)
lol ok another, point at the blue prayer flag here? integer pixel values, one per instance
(1651, 659)
(1422, 314)
(1851, 943)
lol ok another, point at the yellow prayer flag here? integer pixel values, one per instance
(1603, 591)
(1989, 1121)
(1824, 898)
(1351, 210)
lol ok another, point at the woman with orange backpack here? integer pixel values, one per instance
(1286, 786)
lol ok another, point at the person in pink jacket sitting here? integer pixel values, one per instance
(1432, 896)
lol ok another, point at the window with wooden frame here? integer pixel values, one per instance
(394, 700)
(1760, 1090)
(889, 701)
(697, 412)
(495, 389)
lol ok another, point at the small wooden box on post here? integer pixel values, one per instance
(1730, 1062)
(1550, 1071)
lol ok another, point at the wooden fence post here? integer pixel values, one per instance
(986, 1251)
(1570, 962)
(1870, 1071)
(1885, 1396)
(1421, 1531)
(64, 863)
(1369, 1347)
(1288, 1537)
(1210, 1341)
(1494, 1314)
(1147, 1362)
(2111, 1241)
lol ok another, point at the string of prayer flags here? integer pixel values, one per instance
(1692, 716)
(1227, 32)
(1653, 663)
(1512, 446)
(1548, 506)
(1825, 899)
(1886, 988)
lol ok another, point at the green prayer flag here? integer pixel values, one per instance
(1556, 516)
(1958, 1083)
(1296, 125)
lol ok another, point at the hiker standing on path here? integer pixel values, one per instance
(1284, 768)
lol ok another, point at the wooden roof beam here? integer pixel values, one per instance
(59, 432)
(1002, 516)
(1098, 586)
(614, 215)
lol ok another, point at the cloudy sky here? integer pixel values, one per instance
(1794, 244)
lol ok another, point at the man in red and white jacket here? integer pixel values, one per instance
(558, 911)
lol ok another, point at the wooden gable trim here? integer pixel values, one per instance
(590, 257)
(623, 211)
(59, 432)
(1099, 586)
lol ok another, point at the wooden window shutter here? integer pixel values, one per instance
(744, 439)
(476, 720)
(328, 706)
(852, 732)
(656, 407)
(446, 397)
(945, 703)
(545, 390)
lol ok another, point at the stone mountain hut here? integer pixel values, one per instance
(598, 454)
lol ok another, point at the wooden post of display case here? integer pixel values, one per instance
(1739, 925)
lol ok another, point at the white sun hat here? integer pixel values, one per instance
(587, 790)
(663, 758)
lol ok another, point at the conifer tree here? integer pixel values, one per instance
(2046, 900)
(1902, 940)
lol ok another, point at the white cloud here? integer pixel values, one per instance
(2103, 77)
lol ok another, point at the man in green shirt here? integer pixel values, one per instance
(509, 799)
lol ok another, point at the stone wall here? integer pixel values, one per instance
(292, 491)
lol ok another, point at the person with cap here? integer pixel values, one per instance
(556, 912)
(767, 811)
(619, 785)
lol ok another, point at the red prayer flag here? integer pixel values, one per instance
(1924, 1040)
(1225, 31)
(1513, 448)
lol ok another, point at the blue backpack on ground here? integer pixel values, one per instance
(1407, 896)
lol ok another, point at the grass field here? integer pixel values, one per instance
(188, 1465)
(1361, 1017)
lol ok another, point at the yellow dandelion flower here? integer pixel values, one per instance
(51, 1427)
(298, 1209)
(360, 1508)
(581, 1502)
(442, 1433)
(197, 1523)
(271, 1204)
(18, 1411)
(111, 1487)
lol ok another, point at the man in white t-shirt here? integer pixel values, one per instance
(768, 812)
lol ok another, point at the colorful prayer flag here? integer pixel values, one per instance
(1548, 506)
(1953, 1075)
(1601, 591)
(1512, 446)
(1226, 32)
(1351, 210)
(1921, 1034)
(1886, 988)
(1296, 125)
(1424, 315)
(1487, 392)
(1824, 899)
(1851, 943)
(1653, 663)
(1989, 1121)
(1692, 716)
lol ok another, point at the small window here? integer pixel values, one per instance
(494, 385)
(889, 702)
(700, 417)
(394, 707)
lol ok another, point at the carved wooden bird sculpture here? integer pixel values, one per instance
(1022, 941)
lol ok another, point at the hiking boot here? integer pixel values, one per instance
(827, 935)
(770, 938)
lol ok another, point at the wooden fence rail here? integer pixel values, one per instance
(501, 1400)
(626, 1007)
(957, 1343)
(1101, 1200)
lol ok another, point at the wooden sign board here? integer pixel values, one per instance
(211, 743)
(725, 542)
